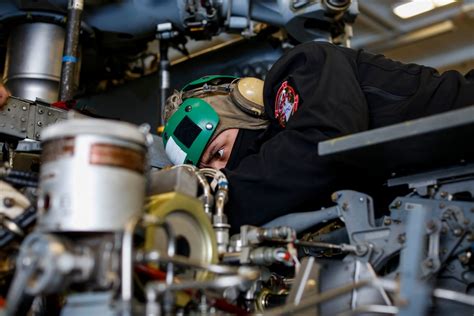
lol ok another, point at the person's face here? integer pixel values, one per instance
(217, 153)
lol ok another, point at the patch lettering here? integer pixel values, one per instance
(286, 103)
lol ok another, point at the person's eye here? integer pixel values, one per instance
(219, 154)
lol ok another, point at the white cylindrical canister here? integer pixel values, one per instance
(92, 176)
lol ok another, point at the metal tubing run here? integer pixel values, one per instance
(164, 77)
(127, 253)
(208, 201)
(127, 259)
(67, 88)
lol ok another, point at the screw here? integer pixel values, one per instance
(23, 108)
(40, 123)
(23, 119)
(387, 221)
(457, 232)
(311, 284)
(37, 135)
(40, 111)
(402, 238)
(345, 206)
(464, 258)
(8, 202)
(397, 204)
(361, 200)
(444, 194)
(209, 126)
(429, 263)
(26, 262)
(431, 226)
(188, 108)
(49, 113)
(335, 196)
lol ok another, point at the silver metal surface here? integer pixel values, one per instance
(127, 260)
(110, 128)
(33, 61)
(180, 180)
(22, 119)
(189, 230)
(82, 196)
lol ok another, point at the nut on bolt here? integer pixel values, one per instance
(8, 202)
(345, 206)
(335, 196)
(429, 263)
(397, 204)
(402, 238)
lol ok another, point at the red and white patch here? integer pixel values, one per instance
(286, 103)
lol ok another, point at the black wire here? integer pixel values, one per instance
(23, 175)
(21, 182)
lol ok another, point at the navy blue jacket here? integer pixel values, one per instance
(318, 91)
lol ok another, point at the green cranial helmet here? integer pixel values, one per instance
(188, 131)
(191, 127)
(192, 124)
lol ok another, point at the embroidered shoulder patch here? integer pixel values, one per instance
(286, 103)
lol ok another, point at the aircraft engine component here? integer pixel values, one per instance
(33, 62)
(194, 234)
(92, 177)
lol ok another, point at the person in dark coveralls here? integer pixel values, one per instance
(315, 92)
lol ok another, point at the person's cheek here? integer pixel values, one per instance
(3, 96)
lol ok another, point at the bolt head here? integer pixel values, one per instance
(8, 202)
(209, 126)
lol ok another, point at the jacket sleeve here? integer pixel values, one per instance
(286, 174)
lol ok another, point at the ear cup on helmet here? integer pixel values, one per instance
(247, 94)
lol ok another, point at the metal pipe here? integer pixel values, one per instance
(454, 296)
(127, 259)
(16, 293)
(164, 77)
(317, 244)
(304, 220)
(222, 282)
(240, 275)
(153, 256)
(127, 253)
(68, 86)
(171, 251)
(374, 309)
(208, 201)
(315, 299)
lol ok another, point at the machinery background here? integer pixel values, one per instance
(91, 223)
